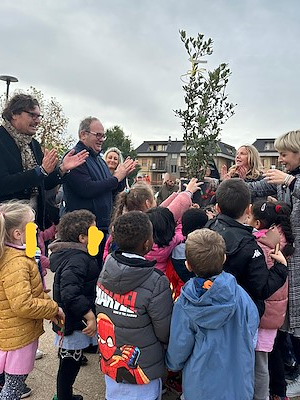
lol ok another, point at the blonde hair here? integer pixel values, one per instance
(12, 215)
(288, 142)
(254, 163)
(205, 250)
(114, 150)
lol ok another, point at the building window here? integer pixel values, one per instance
(144, 162)
(229, 150)
(173, 169)
(269, 146)
(174, 155)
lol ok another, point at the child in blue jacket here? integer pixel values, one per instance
(213, 328)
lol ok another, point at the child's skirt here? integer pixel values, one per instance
(20, 361)
(76, 341)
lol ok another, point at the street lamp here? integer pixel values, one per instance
(8, 79)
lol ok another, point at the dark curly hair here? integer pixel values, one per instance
(131, 230)
(74, 224)
(270, 213)
(18, 104)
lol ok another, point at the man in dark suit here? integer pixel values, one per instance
(25, 172)
(91, 185)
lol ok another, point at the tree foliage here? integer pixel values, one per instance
(52, 131)
(117, 138)
(206, 102)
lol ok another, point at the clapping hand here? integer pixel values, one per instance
(50, 160)
(125, 169)
(72, 160)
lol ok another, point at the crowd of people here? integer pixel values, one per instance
(202, 298)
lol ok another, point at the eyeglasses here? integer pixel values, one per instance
(98, 135)
(34, 115)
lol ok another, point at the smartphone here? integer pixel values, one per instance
(183, 184)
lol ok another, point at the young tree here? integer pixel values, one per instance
(207, 107)
(116, 138)
(52, 131)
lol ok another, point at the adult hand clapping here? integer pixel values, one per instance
(125, 168)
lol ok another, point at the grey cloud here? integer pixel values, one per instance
(122, 60)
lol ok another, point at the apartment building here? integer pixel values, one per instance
(157, 158)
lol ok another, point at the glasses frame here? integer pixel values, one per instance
(33, 115)
(98, 135)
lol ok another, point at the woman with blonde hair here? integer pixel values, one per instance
(285, 185)
(247, 165)
(113, 157)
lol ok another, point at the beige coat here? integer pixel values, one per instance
(23, 303)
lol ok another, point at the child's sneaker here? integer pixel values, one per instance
(39, 354)
(293, 389)
(275, 397)
(26, 392)
(291, 372)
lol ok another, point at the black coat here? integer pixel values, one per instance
(246, 260)
(91, 186)
(74, 286)
(16, 183)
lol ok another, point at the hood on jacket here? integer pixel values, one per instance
(269, 237)
(61, 252)
(11, 253)
(216, 306)
(235, 238)
(121, 274)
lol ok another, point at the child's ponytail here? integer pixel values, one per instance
(119, 207)
(2, 233)
(283, 212)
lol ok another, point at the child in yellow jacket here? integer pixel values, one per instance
(23, 302)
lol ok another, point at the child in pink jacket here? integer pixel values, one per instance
(273, 228)
(167, 228)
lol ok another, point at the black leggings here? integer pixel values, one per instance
(276, 366)
(276, 363)
(69, 365)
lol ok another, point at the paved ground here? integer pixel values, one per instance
(89, 383)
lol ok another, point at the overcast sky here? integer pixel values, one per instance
(121, 60)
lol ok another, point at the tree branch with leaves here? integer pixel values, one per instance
(207, 108)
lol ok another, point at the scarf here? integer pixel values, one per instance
(27, 156)
(23, 142)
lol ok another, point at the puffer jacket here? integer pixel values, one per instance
(275, 305)
(177, 203)
(23, 303)
(74, 286)
(245, 260)
(134, 306)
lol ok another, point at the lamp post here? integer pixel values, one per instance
(8, 79)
